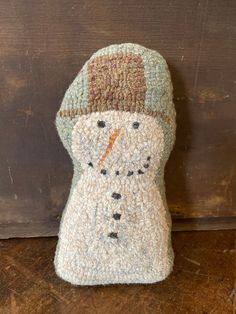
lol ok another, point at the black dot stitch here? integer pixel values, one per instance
(90, 164)
(146, 166)
(149, 157)
(136, 125)
(117, 172)
(116, 196)
(140, 171)
(116, 216)
(130, 173)
(113, 235)
(101, 124)
(103, 171)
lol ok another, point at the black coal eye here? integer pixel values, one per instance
(101, 124)
(136, 125)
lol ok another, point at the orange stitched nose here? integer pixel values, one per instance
(111, 142)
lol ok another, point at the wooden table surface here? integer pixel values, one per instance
(203, 280)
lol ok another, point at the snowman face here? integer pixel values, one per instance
(118, 143)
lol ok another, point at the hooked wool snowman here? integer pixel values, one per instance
(117, 121)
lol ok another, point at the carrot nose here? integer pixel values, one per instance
(111, 142)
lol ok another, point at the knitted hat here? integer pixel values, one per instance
(125, 77)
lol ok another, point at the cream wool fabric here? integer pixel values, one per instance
(117, 121)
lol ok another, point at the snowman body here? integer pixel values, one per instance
(116, 227)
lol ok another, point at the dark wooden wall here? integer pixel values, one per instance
(43, 46)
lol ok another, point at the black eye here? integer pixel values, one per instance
(136, 125)
(101, 124)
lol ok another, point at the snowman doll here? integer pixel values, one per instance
(117, 121)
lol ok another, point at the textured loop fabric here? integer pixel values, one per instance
(117, 122)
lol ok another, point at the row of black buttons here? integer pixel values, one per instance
(116, 216)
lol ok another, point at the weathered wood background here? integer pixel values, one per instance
(43, 46)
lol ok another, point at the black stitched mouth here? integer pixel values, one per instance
(130, 173)
(140, 171)
(113, 235)
(103, 171)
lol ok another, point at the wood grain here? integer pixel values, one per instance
(43, 46)
(202, 281)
